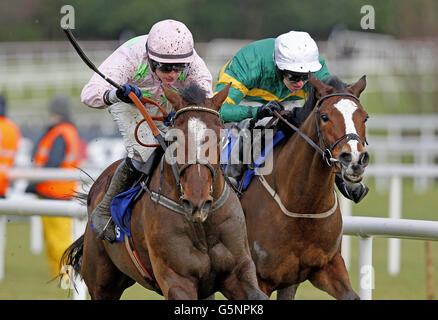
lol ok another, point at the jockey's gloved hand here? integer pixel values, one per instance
(169, 118)
(123, 92)
(267, 110)
(117, 95)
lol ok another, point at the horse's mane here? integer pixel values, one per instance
(193, 94)
(298, 119)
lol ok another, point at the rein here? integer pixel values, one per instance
(326, 155)
(328, 148)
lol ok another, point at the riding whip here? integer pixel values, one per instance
(131, 95)
(147, 117)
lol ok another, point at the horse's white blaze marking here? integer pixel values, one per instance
(197, 132)
(347, 108)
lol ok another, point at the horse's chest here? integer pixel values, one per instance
(221, 258)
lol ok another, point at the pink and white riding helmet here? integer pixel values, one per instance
(170, 41)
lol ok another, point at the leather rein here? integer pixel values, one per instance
(326, 154)
(328, 147)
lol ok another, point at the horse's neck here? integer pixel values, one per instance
(300, 170)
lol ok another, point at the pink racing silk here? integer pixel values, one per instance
(129, 64)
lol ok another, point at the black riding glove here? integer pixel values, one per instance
(267, 110)
(116, 95)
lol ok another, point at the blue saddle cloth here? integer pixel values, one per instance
(247, 178)
(121, 210)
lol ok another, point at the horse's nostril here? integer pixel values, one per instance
(206, 206)
(345, 158)
(364, 159)
(188, 206)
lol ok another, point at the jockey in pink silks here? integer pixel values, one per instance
(166, 56)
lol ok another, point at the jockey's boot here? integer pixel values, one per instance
(123, 178)
(354, 192)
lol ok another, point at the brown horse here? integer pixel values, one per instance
(295, 228)
(190, 255)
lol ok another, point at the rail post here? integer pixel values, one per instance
(366, 271)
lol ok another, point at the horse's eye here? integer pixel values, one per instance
(367, 117)
(325, 118)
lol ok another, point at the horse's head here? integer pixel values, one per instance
(198, 125)
(341, 128)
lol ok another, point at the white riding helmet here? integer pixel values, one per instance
(170, 41)
(296, 51)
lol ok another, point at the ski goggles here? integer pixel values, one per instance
(295, 76)
(168, 67)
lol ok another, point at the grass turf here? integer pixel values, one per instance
(27, 275)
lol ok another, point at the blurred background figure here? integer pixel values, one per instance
(59, 147)
(9, 141)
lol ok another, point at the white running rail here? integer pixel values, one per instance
(365, 228)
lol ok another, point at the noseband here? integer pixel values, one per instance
(178, 172)
(327, 153)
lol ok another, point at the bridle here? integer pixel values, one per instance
(178, 172)
(347, 137)
(326, 155)
(175, 206)
(326, 152)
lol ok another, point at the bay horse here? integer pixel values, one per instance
(293, 218)
(190, 255)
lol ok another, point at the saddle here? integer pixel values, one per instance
(240, 175)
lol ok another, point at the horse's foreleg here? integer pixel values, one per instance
(241, 283)
(175, 286)
(287, 293)
(333, 279)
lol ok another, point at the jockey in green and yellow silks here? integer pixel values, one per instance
(271, 75)
(261, 72)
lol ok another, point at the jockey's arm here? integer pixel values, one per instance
(120, 66)
(231, 110)
(236, 113)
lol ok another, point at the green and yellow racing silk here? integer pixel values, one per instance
(254, 77)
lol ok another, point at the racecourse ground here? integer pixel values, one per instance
(26, 275)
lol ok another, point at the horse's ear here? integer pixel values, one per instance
(321, 89)
(359, 86)
(218, 99)
(175, 99)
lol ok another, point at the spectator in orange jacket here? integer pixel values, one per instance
(9, 141)
(59, 147)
